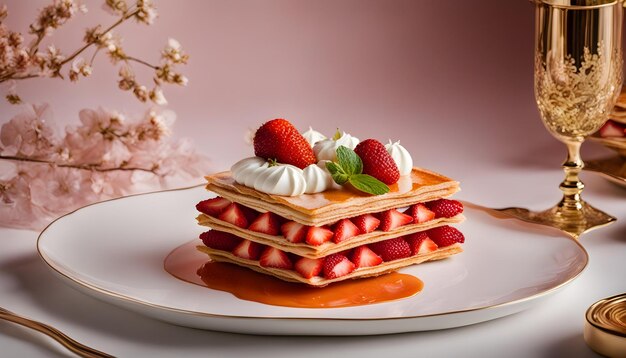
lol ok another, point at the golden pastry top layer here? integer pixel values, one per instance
(328, 207)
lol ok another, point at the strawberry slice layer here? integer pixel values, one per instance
(343, 230)
(338, 264)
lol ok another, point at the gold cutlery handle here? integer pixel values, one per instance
(77, 348)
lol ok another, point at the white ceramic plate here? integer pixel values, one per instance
(115, 250)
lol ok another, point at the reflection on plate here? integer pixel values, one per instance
(115, 250)
(613, 169)
(614, 143)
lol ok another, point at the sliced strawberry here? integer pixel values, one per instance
(337, 265)
(213, 207)
(420, 213)
(420, 243)
(445, 236)
(308, 268)
(366, 223)
(346, 253)
(266, 223)
(234, 215)
(612, 129)
(345, 229)
(392, 249)
(249, 213)
(248, 250)
(273, 257)
(318, 235)
(294, 231)
(445, 208)
(363, 256)
(219, 240)
(392, 219)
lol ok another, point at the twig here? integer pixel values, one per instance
(80, 50)
(130, 58)
(92, 167)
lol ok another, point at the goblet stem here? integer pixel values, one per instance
(571, 215)
(572, 205)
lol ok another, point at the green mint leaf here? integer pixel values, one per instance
(337, 173)
(333, 167)
(349, 160)
(340, 178)
(368, 184)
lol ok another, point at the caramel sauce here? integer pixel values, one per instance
(188, 264)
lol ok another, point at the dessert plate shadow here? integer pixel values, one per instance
(114, 251)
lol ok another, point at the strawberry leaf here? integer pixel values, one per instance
(368, 184)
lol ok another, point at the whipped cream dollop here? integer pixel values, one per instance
(245, 171)
(312, 136)
(284, 179)
(317, 178)
(327, 149)
(401, 156)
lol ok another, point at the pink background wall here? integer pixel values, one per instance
(451, 79)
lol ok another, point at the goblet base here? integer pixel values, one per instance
(572, 222)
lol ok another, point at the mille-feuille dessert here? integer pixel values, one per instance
(317, 210)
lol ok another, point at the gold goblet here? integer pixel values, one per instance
(578, 76)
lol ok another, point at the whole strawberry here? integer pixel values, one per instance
(280, 140)
(377, 162)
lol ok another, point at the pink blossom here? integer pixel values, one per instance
(57, 190)
(16, 209)
(105, 156)
(97, 141)
(29, 134)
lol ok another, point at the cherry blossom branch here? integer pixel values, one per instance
(21, 63)
(92, 167)
(94, 41)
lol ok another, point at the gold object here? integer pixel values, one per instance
(616, 144)
(67, 342)
(605, 326)
(578, 77)
(613, 169)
